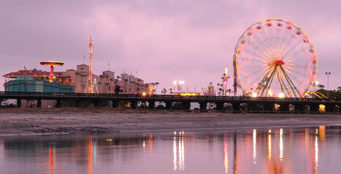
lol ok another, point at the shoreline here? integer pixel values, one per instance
(157, 132)
(142, 110)
(16, 122)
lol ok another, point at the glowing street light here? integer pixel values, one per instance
(254, 95)
(270, 93)
(178, 84)
(281, 95)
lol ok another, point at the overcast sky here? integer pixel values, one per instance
(156, 40)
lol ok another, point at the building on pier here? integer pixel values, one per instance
(36, 81)
(77, 80)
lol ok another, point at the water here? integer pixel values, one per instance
(287, 150)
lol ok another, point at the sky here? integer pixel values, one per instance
(156, 40)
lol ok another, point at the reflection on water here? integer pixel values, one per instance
(316, 148)
(254, 140)
(226, 155)
(90, 155)
(52, 152)
(235, 156)
(308, 150)
(281, 144)
(269, 144)
(178, 151)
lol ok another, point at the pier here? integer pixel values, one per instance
(172, 102)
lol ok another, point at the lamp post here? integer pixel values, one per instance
(328, 74)
(177, 85)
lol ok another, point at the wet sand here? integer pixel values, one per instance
(73, 121)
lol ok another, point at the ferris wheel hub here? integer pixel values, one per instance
(276, 63)
(279, 62)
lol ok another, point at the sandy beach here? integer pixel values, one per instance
(73, 121)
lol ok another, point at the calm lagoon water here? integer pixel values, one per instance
(287, 150)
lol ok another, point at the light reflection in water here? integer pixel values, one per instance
(175, 167)
(307, 135)
(281, 144)
(316, 148)
(90, 159)
(254, 138)
(94, 149)
(51, 158)
(182, 152)
(269, 144)
(322, 132)
(235, 155)
(179, 151)
(274, 151)
(226, 156)
(150, 142)
(144, 144)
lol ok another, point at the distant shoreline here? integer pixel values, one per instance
(95, 121)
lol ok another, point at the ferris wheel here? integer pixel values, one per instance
(275, 57)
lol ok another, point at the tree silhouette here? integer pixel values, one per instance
(339, 89)
(321, 86)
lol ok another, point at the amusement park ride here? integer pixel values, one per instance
(51, 64)
(91, 85)
(274, 57)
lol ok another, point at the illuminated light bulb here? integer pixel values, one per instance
(254, 95)
(270, 93)
(281, 95)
